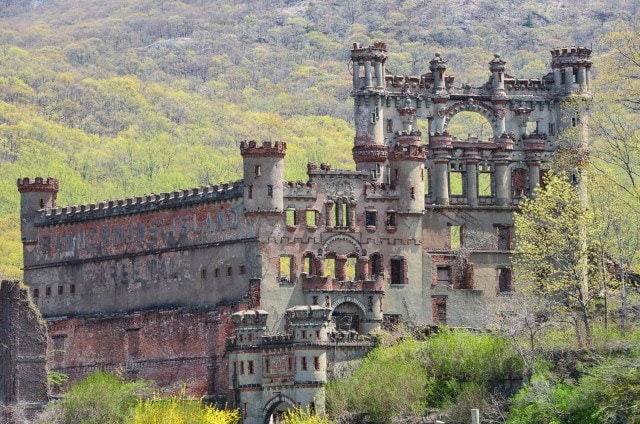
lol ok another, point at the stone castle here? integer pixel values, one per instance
(256, 291)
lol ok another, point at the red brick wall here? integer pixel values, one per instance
(171, 347)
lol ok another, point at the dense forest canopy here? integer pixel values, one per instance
(124, 98)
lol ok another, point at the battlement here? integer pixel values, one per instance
(299, 189)
(265, 149)
(139, 204)
(308, 314)
(325, 170)
(377, 51)
(571, 52)
(411, 152)
(39, 185)
(250, 318)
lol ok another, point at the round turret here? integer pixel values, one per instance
(571, 70)
(34, 196)
(263, 173)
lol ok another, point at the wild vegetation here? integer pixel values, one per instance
(124, 98)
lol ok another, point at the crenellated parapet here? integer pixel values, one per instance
(265, 149)
(410, 152)
(39, 184)
(140, 204)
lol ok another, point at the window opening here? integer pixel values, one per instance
(389, 125)
(330, 267)
(311, 218)
(48, 291)
(391, 219)
(303, 363)
(258, 170)
(36, 292)
(270, 190)
(455, 239)
(316, 363)
(504, 280)
(397, 271)
(291, 217)
(286, 263)
(376, 264)
(203, 273)
(60, 290)
(456, 179)
(503, 236)
(351, 268)
(485, 187)
(443, 276)
(370, 218)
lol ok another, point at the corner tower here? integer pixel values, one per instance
(369, 151)
(34, 196)
(263, 173)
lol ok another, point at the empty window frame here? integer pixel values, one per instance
(352, 269)
(376, 264)
(485, 180)
(443, 276)
(285, 274)
(504, 235)
(330, 266)
(505, 284)
(390, 220)
(370, 218)
(291, 217)
(456, 179)
(311, 218)
(455, 236)
(397, 270)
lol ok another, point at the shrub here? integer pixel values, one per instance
(181, 410)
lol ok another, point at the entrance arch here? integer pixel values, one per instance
(469, 125)
(348, 313)
(276, 407)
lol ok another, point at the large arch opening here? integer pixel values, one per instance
(276, 409)
(348, 316)
(469, 125)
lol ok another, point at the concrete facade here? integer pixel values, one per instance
(161, 277)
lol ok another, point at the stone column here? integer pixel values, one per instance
(441, 145)
(379, 74)
(472, 177)
(341, 267)
(502, 157)
(356, 75)
(557, 80)
(568, 79)
(328, 215)
(367, 74)
(363, 268)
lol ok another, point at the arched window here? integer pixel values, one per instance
(308, 265)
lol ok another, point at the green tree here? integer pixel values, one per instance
(550, 255)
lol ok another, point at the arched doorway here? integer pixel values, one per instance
(348, 316)
(276, 408)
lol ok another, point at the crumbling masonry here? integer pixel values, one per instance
(420, 231)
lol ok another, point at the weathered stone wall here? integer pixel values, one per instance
(23, 349)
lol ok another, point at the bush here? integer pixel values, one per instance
(180, 410)
(101, 398)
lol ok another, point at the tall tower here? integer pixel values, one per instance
(263, 173)
(34, 196)
(406, 162)
(369, 151)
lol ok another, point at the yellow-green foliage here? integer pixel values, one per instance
(180, 410)
(304, 416)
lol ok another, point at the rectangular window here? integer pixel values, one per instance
(48, 291)
(267, 368)
(455, 236)
(286, 262)
(311, 218)
(60, 289)
(241, 367)
(370, 218)
(443, 276)
(243, 270)
(503, 236)
(216, 272)
(229, 271)
(36, 292)
(552, 129)
(203, 273)
(391, 219)
(258, 170)
(249, 367)
(303, 363)
(389, 125)
(397, 271)
(485, 188)
(316, 363)
(427, 182)
(250, 194)
(291, 217)
(456, 181)
(504, 280)
(72, 289)
(303, 334)
(270, 190)
(330, 267)
(442, 312)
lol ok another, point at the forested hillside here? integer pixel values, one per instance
(120, 98)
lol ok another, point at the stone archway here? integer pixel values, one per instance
(488, 112)
(276, 407)
(348, 314)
